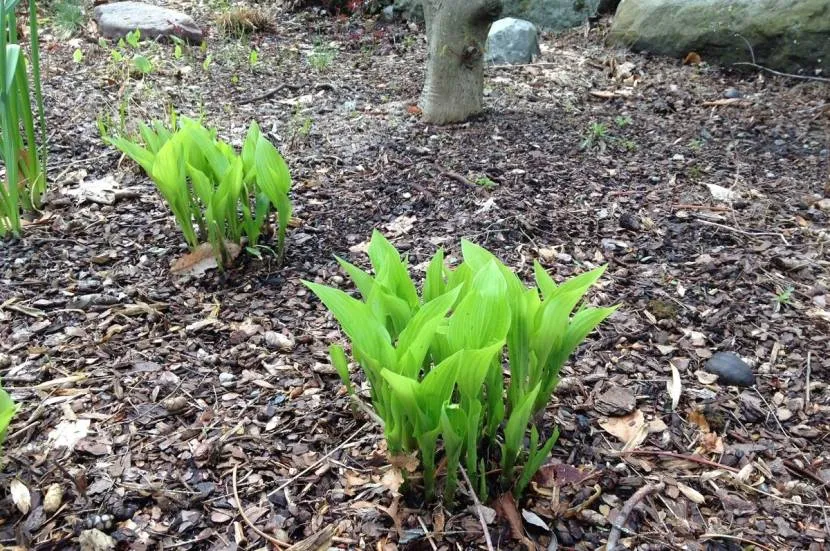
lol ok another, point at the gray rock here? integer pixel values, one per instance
(615, 401)
(732, 93)
(511, 41)
(552, 14)
(119, 18)
(388, 13)
(730, 369)
(788, 35)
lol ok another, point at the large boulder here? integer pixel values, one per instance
(552, 14)
(119, 18)
(511, 41)
(788, 35)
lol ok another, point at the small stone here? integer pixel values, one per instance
(732, 93)
(824, 204)
(278, 341)
(226, 379)
(730, 369)
(783, 414)
(630, 222)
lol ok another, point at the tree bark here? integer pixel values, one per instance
(456, 34)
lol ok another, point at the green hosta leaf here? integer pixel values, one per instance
(364, 330)
(249, 147)
(435, 284)
(476, 364)
(390, 270)
(7, 411)
(140, 155)
(514, 431)
(454, 435)
(536, 458)
(341, 365)
(483, 316)
(475, 256)
(543, 280)
(415, 339)
(361, 279)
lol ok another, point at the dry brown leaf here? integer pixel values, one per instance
(626, 428)
(392, 479)
(506, 506)
(53, 498)
(692, 58)
(698, 418)
(408, 463)
(202, 259)
(674, 386)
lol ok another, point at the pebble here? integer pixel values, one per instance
(732, 93)
(278, 341)
(730, 369)
(226, 379)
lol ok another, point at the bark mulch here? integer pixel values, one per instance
(176, 413)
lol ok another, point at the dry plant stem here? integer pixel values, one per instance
(316, 463)
(261, 534)
(692, 458)
(266, 95)
(780, 74)
(636, 497)
(479, 508)
(807, 380)
(742, 232)
(735, 538)
(454, 176)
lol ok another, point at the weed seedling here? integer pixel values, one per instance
(321, 57)
(596, 135)
(485, 182)
(622, 121)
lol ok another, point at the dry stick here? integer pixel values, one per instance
(455, 176)
(479, 508)
(735, 538)
(266, 95)
(316, 463)
(807, 385)
(692, 458)
(780, 74)
(261, 534)
(636, 497)
(742, 232)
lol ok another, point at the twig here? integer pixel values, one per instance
(692, 458)
(636, 497)
(804, 473)
(807, 379)
(780, 74)
(455, 176)
(479, 508)
(735, 538)
(742, 232)
(427, 534)
(266, 95)
(261, 534)
(316, 463)
(682, 206)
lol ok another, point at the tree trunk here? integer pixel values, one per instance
(456, 34)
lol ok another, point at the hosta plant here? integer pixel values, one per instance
(434, 360)
(25, 164)
(217, 195)
(7, 411)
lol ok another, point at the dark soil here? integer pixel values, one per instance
(189, 405)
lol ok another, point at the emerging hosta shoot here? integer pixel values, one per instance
(434, 361)
(217, 195)
(7, 411)
(25, 164)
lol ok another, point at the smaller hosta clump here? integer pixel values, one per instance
(434, 360)
(217, 195)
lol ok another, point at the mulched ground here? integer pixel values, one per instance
(201, 398)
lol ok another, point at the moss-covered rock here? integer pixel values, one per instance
(788, 35)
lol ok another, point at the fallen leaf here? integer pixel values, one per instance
(723, 194)
(413, 109)
(400, 225)
(53, 498)
(693, 495)
(101, 191)
(21, 496)
(534, 519)
(392, 479)
(627, 427)
(506, 506)
(202, 259)
(674, 386)
(68, 433)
